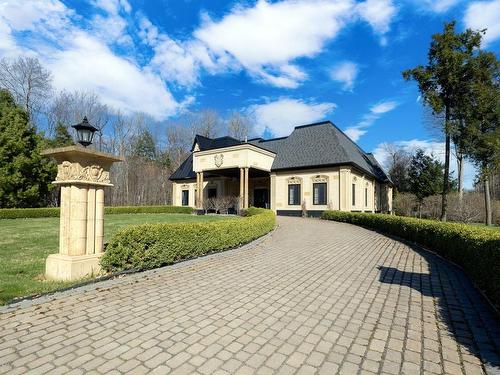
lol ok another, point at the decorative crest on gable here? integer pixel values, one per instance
(218, 160)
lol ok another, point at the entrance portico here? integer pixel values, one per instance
(245, 159)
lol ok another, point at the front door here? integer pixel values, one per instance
(261, 198)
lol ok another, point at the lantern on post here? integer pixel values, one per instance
(84, 132)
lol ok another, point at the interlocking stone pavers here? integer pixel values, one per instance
(313, 297)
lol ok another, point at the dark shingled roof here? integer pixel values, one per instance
(210, 143)
(185, 170)
(309, 146)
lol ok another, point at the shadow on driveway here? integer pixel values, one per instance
(465, 312)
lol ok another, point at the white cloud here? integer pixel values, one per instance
(8, 46)
(346, 73)
(112, 27)
(175, 62)
(274, 33)
(113, 6)
(23, 15)
(430, 147)
(378, 13)
(435, 6)
(384, 107)
(281, 116)
(355, 132)
(376, 111)
(118, 82)
(484, 14)
(79, 56)
(265, 39)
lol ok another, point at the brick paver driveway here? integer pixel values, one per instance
(315, 297)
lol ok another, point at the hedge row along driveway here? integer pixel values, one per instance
(27, 213)
(155, 245)
(476, 250)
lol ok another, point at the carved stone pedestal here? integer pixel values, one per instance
(82, 175)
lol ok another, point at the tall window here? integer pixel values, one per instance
(185, 197)
(294, 194)
(353, 194)
(319, 193)
(366, 197)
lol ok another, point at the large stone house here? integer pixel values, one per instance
(317, 167)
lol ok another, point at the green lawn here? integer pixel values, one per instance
(26, 243)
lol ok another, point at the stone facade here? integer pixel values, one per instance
(339, 182)
(314, 169)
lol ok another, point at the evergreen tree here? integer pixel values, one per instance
(25, 176)
(61, 137)
(144, 146)
(482, 113)
(443, 84)
(425, 177)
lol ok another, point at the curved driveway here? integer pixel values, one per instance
(313, 297)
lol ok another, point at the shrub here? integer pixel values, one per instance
(148, 210)
(475, 249)
(24, 213)
(154, 245)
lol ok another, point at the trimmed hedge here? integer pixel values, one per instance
(25, 213)
(476, 250)
(148, 210)
(150, 246)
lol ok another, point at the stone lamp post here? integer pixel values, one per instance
(82, 175)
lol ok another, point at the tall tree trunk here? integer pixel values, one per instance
(487, 198)
(446, 182)
(460, 162)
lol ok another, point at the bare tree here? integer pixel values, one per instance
(178, 143)
(397, 164)
(70, 108)
(28, 81)
(209, 204)
(222, 204)
(238, 126)
(206, 123)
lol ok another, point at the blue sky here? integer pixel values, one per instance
(283, 63)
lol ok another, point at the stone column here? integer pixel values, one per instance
(64, 222)
(363, 193)
(200, 200)
(82, 175)
(242, 188)
(78, 235)
(197, 195)
(174, 195)
(373, 192)
(91, 220)
(272, 192)
(99, 221)
(344, 189)
(246, 188)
